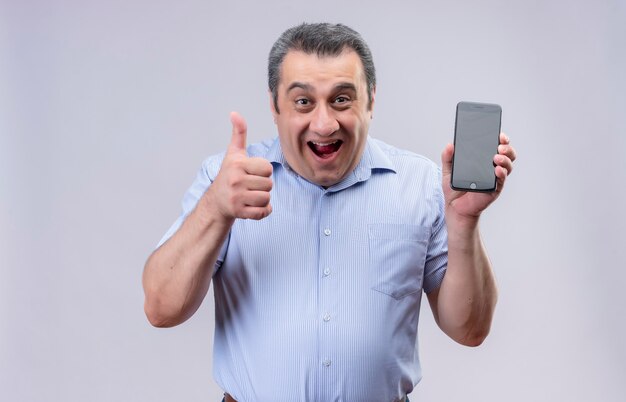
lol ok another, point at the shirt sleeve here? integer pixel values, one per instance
(437, 255)
(207, 173)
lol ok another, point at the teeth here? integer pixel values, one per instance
(323, 144)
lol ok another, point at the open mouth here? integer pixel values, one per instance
(325, 149)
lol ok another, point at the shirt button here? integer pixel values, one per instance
(326, 271)
(327, 232)
(326, 317)
(326, 363)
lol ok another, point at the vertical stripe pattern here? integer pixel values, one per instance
(320, 301)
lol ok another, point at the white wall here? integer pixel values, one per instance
(108, 108)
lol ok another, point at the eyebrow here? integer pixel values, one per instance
(300, 85)
(345, 86)
(307, 87)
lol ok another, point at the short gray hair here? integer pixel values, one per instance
(322, 39)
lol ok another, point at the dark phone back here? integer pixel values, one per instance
(476, 139)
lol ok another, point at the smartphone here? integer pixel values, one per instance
(476, 140)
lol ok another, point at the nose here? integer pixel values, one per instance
(323, 122)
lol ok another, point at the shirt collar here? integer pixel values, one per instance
(275, 154)
(373, 159)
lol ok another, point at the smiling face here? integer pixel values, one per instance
(323, 114)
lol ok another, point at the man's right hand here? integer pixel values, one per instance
(178, 274)
(242, 186)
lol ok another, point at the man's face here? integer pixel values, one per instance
(324, 114)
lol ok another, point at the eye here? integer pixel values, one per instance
(302, 101)
(342, 102)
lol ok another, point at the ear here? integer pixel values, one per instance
(272, 106)
(371, 105)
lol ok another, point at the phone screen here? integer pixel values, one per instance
(476, 139)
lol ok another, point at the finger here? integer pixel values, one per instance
(258, 183)
(256, 199)
(503, 162)
(501, 175)
(504, 139)
(256, 213)
(446, 159)
(239, 135)
(508, 151)
(258, 167)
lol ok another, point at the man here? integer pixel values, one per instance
(319, 243)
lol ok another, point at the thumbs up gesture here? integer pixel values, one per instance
(242, 186)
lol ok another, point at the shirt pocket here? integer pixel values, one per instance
(397, 253)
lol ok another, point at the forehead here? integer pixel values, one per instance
(317, 70)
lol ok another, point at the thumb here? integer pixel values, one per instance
(446, 159)
(239, 136)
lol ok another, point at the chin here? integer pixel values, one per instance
(327, 180)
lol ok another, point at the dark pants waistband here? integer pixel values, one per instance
(228, 398)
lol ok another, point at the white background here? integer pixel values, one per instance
(108, 108)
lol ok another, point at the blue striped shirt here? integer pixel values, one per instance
(320, 301)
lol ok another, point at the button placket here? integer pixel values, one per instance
(327, 298)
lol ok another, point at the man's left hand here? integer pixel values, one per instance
(465, 205)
